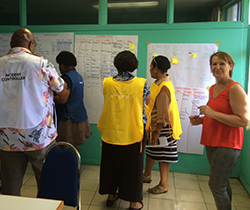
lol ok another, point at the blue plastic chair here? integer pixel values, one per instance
(60, 178)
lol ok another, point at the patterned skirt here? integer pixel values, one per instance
(166, 148)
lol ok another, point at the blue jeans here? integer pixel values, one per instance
(222, 161)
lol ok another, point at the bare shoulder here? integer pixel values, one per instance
(237, 90)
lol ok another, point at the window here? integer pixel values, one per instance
(234, 12)
(9, 12)
(61, 12)
(206, 11)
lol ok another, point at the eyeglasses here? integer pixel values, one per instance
(154, 61)
(34, 42)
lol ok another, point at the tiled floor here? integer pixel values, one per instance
(187, 192)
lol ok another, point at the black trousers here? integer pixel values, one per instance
(121, 170)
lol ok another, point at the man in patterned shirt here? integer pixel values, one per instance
(27, 127)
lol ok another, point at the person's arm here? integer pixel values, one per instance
(148, 98)
(53, 80)
(239, 105)
(62, 97)
(196, 120)
(162, 103)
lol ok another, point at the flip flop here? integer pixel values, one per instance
(147, 179)
(130, 208)
(158, 189)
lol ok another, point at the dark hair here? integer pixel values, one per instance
(224, 56)
(125, 61)
(66, 58)
(162, 63)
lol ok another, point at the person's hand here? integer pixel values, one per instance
(196, 120)
(155, 136)
(206, 110)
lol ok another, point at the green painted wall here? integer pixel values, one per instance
(245, 156)
(233, 38)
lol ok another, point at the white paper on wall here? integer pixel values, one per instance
(95, 55)
(191, 77)
(48, 44)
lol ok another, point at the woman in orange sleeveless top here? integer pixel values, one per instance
(225, 116)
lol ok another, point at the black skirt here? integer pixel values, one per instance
(121, 170)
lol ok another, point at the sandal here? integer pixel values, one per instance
(110, 203)
(147, 179)
(158, 189)
(130, 208)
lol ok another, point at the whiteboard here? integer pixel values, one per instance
(191, 76)
(95, 55)
(48, 44)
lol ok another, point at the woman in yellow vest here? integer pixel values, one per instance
(165, 127)
(122, 127)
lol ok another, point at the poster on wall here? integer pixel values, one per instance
(95, 55)
(4, 44)
(191, 76)
(48, 44)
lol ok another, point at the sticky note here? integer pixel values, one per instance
(218, 43)
(194, 55)
(132, 52)
(148, 42)
(207, 88)
(132, 46)
(154, 55)
(174, 60)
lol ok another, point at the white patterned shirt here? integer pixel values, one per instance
(41, 135)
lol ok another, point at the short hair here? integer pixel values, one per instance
(162, 63)
(125, 61)
(224, 56)
(66, 58)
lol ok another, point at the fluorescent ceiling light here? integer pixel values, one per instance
(130, 4)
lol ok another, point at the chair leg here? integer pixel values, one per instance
(79, 201)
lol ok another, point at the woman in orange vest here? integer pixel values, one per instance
(164, 126)
(122, 127)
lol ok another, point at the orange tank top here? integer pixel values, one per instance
(215, 133)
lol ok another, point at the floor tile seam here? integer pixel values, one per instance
(198, 190)
(200, 186)
(93, 197)
(188, 189)
(189, 201)
(154, 198)
(27, 181)
(206, 204)
(203, 197)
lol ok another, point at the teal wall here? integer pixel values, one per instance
(245, 156)
(233, 38)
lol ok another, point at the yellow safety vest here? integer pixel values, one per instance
(121, 121)
(175, 121)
